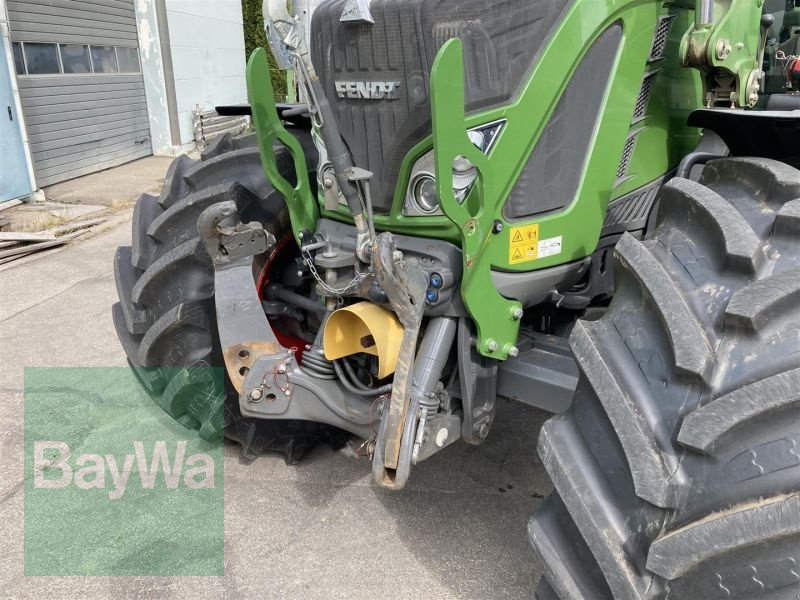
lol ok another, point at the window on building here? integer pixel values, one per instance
(75, 59)
(19, 61)
(104, 59)
(128, 59)
(41, 59)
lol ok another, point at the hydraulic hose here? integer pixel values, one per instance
(293, 35)
(384, 389)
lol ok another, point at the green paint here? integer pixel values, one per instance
(663, 139)
(579, 225)
(303, 209)
(730, 44)
(497, 328)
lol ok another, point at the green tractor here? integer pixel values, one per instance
(588, 206)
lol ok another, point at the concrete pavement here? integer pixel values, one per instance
(317, 530)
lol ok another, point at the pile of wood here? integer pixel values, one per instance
(16, 244)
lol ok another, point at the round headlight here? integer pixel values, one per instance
(425, 194)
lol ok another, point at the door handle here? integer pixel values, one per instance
(10, 115)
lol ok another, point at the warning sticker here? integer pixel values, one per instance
(523, 244)
(549, 247)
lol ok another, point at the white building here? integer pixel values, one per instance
(90, 84)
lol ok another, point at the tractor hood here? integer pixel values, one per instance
(376, 75)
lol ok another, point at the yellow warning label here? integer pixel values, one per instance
(523, 244)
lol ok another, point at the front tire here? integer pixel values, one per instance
(677, 468)
(165, 317)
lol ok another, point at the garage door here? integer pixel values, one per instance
(80, 83)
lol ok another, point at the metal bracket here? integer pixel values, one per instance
(300, 201)
(270, 383)
(726, 46)
(477, 382)
(356, 11)
(244, 331)
(404, 283)
(496, 317)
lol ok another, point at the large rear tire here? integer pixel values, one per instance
(165, 318)
(677, 468)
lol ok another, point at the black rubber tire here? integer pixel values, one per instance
(677, 468)
(165, 318)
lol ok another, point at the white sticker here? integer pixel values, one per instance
(549, 247)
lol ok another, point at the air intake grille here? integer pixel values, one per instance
(644, 96)
(627, 153)
(660, 37)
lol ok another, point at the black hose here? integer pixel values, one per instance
(692, 159)
(350, 387)
(352, 377)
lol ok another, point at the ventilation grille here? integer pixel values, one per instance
(644, 96)
(630, 212)
(627, 153)
(660, 38)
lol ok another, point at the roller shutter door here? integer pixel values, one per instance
(81, 86)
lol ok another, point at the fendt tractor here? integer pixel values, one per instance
(588, 206)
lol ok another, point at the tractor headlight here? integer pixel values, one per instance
(425, 194)
(421, 197)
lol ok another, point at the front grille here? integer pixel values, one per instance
(660, 37)
(627, 153)
(644, 96)
(500, 40)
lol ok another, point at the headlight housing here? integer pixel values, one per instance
(421, 197)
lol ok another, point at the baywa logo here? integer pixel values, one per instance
(114, 484)
(93, 471)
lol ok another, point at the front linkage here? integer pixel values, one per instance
(418, 412)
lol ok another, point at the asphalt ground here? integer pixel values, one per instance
(316, 530)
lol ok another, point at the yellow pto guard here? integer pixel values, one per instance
(364, 327)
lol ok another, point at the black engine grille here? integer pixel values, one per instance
(501, 39)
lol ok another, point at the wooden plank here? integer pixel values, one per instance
(7, 244)
(41, 246)
(9, 204)
(75, 226)
(22, 236)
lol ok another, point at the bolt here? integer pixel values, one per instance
(516, 313)
(255, 394)
(491, 345)
(513, 352)
(723, 49)
(483, 431)
(328, 183)
(498, 226)
(441, 437)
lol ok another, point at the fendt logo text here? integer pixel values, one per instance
(52, 468)
(368, 90)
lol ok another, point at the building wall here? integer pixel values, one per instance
(153, 74)
(208, 57)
